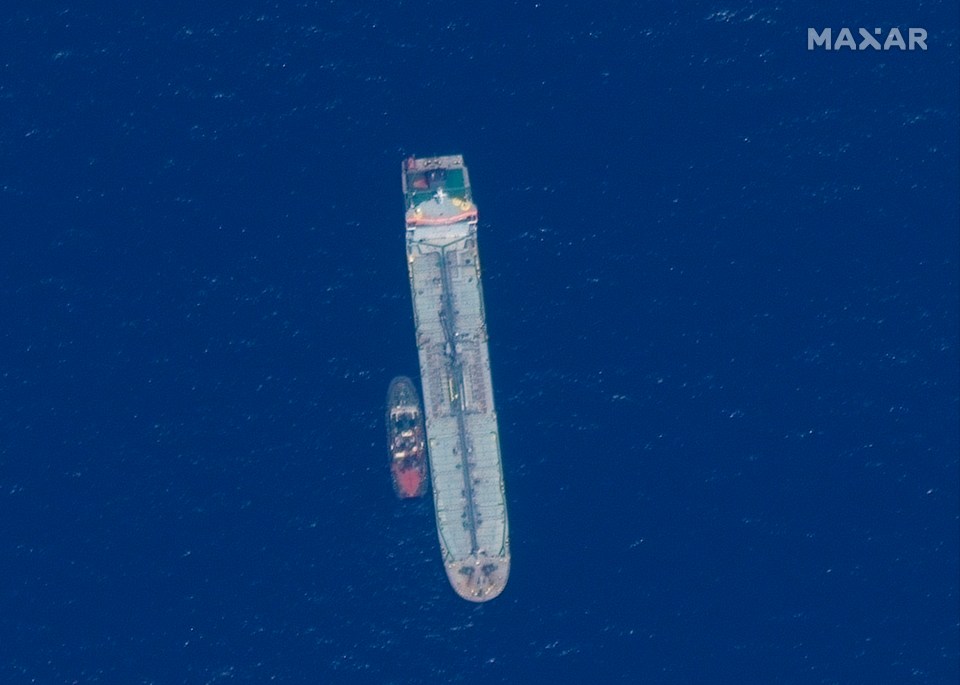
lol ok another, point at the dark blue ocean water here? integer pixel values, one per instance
(721, 277)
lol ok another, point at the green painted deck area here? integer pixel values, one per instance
(453, 184)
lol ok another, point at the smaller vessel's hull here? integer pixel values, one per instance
(406, 438)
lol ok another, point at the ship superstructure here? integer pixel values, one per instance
(462, 436)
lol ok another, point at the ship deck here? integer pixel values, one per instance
(462, 434)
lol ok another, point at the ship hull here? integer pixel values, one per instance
(461, 421)
(406, 439)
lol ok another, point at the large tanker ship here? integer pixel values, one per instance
(462, 436)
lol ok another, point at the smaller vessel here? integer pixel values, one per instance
(406, 438)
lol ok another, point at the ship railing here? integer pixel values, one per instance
(414, 220)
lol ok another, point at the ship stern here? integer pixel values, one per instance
(479, 577)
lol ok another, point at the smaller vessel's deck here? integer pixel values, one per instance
(406, 438)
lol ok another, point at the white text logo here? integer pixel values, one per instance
(868, 40)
